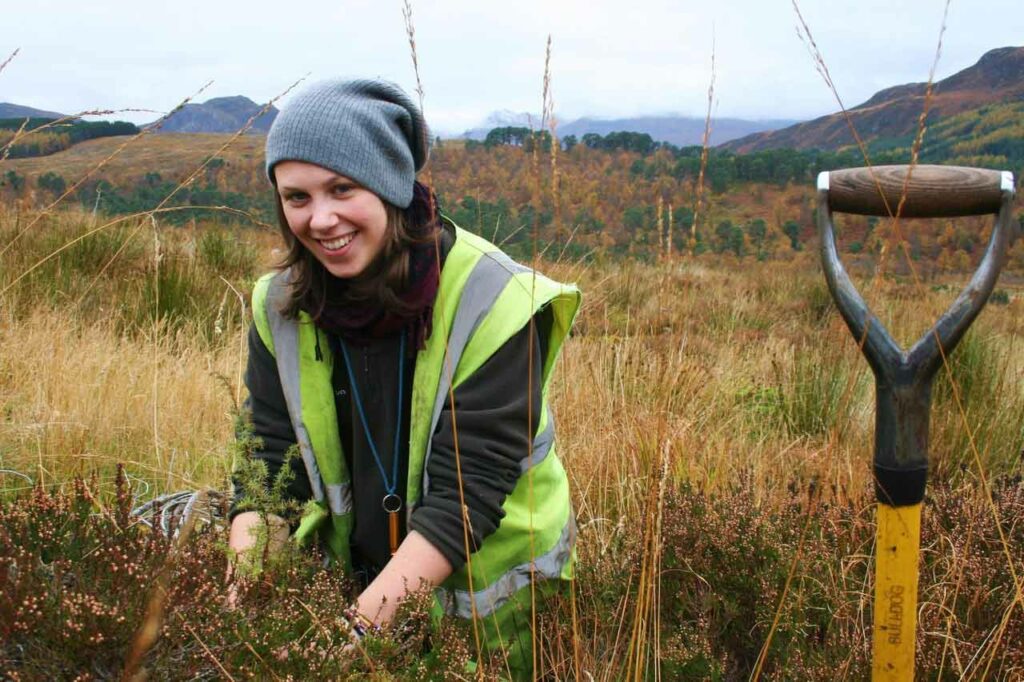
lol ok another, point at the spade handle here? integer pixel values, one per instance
(903, 378)
(931, 191)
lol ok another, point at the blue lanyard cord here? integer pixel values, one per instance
(393, 484)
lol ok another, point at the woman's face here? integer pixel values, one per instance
(343, 224)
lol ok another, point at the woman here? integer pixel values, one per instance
(380, 320)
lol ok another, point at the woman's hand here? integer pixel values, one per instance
(246, 529)
(415, 564)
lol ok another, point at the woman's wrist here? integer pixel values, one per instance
(361, 624)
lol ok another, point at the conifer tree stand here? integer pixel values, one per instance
(903, 378)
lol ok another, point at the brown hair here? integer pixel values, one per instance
(384, 279)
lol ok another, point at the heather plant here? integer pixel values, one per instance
(76, 572)
(76, 576)
(731, 563)
(968, 585)
(727, 565)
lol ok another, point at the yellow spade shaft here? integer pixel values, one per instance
(898, 541)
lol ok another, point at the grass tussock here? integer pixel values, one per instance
(988, 386)
(134, 273)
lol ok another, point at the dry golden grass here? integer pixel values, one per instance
(171, 154)
(701, 354)
(145, 370)
(80, 397)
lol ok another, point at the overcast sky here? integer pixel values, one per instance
(609, 59)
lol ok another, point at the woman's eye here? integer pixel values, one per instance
(341, 189)
(294, 197)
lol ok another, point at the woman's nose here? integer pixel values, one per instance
(323, 216)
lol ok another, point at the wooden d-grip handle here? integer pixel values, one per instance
(932, 192)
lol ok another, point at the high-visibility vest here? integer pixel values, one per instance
(484, 298)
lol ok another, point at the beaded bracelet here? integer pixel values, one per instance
(361, 625)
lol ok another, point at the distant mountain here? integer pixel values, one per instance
(218, 115)
(997, 78)
(8, 110)
(679, 130)
(501, 119)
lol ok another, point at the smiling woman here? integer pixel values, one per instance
(382, 318)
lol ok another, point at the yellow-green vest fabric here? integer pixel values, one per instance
(484, 298)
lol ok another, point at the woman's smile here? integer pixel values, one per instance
(338, 243)
(336, 246)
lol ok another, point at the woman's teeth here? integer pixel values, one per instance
(338, 243)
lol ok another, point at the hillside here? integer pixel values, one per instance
(677, 130)
(609, 197)
(614, 202)
(891, 114)
(991, 136)
(219, 115)
(9, 110)
(172, 154)
(29, 137)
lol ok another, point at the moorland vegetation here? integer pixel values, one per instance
(716, 425)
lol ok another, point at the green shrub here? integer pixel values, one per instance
(818, 388)
(224, 252)
(993, 405)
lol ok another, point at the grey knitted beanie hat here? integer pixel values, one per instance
(367, 130)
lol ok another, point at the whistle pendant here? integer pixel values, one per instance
(393, 532)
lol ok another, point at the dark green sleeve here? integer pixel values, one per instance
(496, 417)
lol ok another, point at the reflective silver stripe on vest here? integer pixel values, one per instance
(339, 498)
(541, 445)
(286, 346)
(547, 566)
(485, 283)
